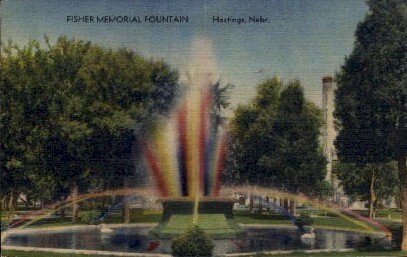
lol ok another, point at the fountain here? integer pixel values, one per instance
(186, 155)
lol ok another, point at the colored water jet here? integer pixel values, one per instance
(184, 152)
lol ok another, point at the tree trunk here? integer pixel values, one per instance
(11, 206)
(3, 203)
(126, 205)
(250, 204)
(63, 213)
(75, 207)
(126, 210)
(401, 163)
(260, 205)
(292, 207)
(285, 203)
(372, 193)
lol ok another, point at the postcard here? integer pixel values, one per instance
(203, 128)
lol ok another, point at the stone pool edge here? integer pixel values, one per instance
(86, 252)
(137, 225)
(344, 250)
(74, 227)
(93, 252)
(254, 226)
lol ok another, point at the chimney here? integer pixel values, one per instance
(327, 79)
(329, 134)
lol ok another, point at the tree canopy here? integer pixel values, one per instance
(275, 139)
(372, 92)
(72, 109)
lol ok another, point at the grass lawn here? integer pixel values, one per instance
(208, 221)
(212, 223)
(55, 222)
(321, 220)
(244, 218)
(385, 214)
(337, 222)
(43, 254)
(136, 216)
(3, 217)
(391, 214)
(349, 254)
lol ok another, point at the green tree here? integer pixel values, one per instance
(221, 99)
(297, 161)
(372, 183)
(371, 99)
(77, 108)
(275, 139)
(22, 119)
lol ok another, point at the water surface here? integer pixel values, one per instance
(139, 240)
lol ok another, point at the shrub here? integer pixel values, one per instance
(304, 220)
(89, 217)
(195, 242)
(396, 235)
(370, 244)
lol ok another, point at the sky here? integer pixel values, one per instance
(304, 39)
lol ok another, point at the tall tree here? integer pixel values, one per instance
(251, 129)
(80, 106)
(22, 118)
(275, 139)
(371, 100)
(296, 162)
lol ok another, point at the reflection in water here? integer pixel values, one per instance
(139, 240)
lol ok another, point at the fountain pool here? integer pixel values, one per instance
(136, 238)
